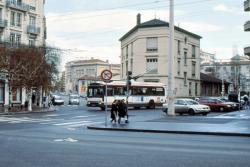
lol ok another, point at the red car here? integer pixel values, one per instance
(215, 104)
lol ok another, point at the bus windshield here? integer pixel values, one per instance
(95, 92)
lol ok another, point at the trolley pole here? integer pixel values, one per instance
(171, 82)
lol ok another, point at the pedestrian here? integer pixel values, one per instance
(246, 102)
(122, 111)
(113, 111)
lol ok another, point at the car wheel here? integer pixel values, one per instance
(102, 108)
(191, 112)
(204, 114)
(181, 113)
(137, 108)
(151, 104)
(221, 109)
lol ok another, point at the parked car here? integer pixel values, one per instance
(188, 106)
(74, 99)
(215, 104)
(235, 105)
(57, 100)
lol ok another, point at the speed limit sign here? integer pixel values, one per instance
(106, 75)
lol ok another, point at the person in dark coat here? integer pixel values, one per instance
(121, 110)
(113, 111)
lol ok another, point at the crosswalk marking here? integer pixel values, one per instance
(51, 119)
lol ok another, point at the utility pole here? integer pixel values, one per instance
(171, 82)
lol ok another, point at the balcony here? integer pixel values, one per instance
(247, 26)
(33, 30)
(247, 5)
(18, 6)
(247, 51)
(3, 23)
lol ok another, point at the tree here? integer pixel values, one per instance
(27, 68)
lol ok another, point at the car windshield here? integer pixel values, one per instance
(192, 102)
(74, 97)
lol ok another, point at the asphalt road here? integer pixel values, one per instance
(60, 138)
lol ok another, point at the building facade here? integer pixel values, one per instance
(247, 26)
(207, 58)
(76, 71)
(144, 51)
(236, 72)
(22, 22)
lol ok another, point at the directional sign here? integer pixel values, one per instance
(106, 75)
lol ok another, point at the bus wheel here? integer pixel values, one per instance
(102, 108)
(137, 108)
(151, 104)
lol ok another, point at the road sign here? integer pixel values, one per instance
(106, 75)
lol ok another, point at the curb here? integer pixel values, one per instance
(171, 131)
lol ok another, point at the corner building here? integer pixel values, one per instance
(144, 51)
(22, 22)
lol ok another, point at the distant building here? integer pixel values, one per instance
(144, 51)
(236, 72)
(247, 26)
(22, 22)
(212, 86)
(82, 70)
(207, 58)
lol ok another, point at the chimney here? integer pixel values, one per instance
(138, 19)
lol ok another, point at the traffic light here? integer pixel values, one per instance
(129, 77)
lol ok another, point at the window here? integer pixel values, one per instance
(15, 19)
(185, 78)
(152, 65)
(16, 95)
(179, 47)
(190, 88)
(185, 58)
(132, 49)
(193, 51)
(31, 42)
(126, 66)
(152, 44)
(126, 52)
(131, 64)
(12, 18)
(32, 21)
(1, 92)
(196, 89)
(179, 67)
(193, 69)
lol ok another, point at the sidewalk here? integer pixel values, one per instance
(228, 124)
(25, 111)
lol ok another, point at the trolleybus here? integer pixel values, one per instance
(141, 94)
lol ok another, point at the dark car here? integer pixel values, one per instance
(215, 104)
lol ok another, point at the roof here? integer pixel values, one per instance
(157, 23)
(211, 79)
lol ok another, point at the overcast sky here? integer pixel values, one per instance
(92, 28)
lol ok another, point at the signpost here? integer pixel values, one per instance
(106, 75)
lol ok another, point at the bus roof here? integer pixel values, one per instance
(133, 83)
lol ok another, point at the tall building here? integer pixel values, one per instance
(247, 26)
(92, 68)
(21, 22)
(144, 51)
(207, 58)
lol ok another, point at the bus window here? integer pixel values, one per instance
(119, 91)
(160, 91)
(95, 92)
(110, 92)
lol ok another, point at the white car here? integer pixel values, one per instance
(57, 100)
(188, 106)
(74, 99)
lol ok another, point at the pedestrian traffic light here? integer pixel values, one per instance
(129, 77)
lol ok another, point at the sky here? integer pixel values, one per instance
(92, 28)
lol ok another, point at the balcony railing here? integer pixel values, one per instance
(3, 23)
(18, 5)
(33, 29)
(247, 5)
(247, 50)
(247, 26)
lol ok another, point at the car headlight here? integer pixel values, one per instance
(228, 105)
